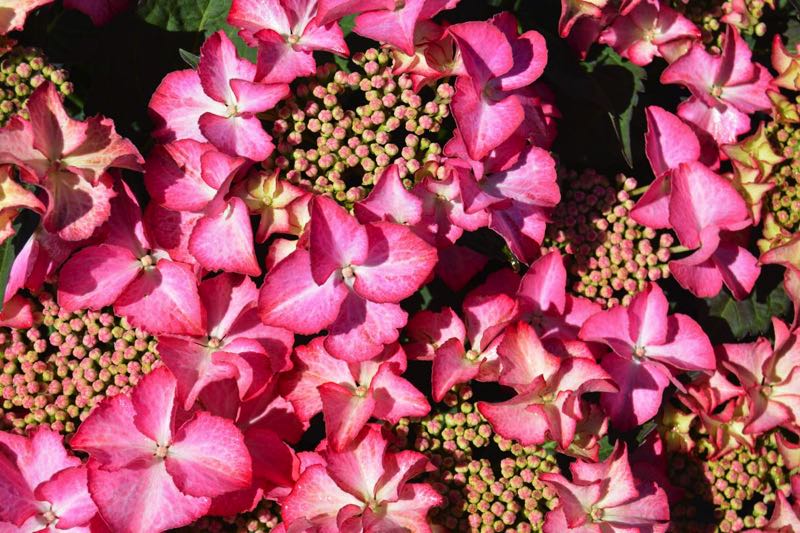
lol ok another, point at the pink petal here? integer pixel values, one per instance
(154, 402)
(543, 287)
(518, 418)
(522, 227)
(362, 328)
(101, 149)
(389, 200)
(76, 207)
(143, 500)
(359, 469)
(669, 141)
(225, 298)
(530, 58)
(652, 208)
(738, 267)
(524, 358)
(641, 386)
(171, 230)
(316, 499)
(96, 276)
(68, 493)
(485, 50)
(409, 513)
(428, 330)
(316, 366)
(219, 64)
(397, 263)
(647, 315)
(697, 273)
(17, 147)
(686, 346)
(395, 26)
(280, 62)
(12, 15)
(164, 299)
(395, 397)
(111, 438)
(333, 10)
(173, 175)
(209, 457)
(254, 97)
(225, 241)
(451, 367)
(691, 211)
(723, 123)
(484, 124)
(237, 135)
(337, 239)
(291, 299)
(177, 104)
(345, 413)
(254, 15)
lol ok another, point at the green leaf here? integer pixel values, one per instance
(185, 15)
(7, 254)
(621, 83)
(751, 316)
(347, 24)
(191, 59)
(605, 448)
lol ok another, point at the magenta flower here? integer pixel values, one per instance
(100, 11)
(606, 497)
(647, 346)
(236, 345)
(349, 282)
(770, 378)
(363, 488)
(69, 160)
(549, 389)
(498, 63)
(153, 292)
(217, 103)
(487, 310)
(518, 192)
(153, 468)
(543, 301)
(349, 394)
(397, 24)
(703, 207)
(195, 179)
(42, 488)
(574, 10)
(648, 31)
(725, 88)
(286, 34)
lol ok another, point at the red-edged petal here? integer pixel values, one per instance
(396, 397)
(345, 413)
(451, 367)
(164, 299)
(96, 276)
(484, 124)
(389, 200)
(237, 135)
(337, 239)
(219, 64)
(362, 328)
(224, 241)
(315, 502)
(397, 263)
(68, 494)
(176, 106)
(76, 207)
(173, 175)
(291, 299)
(209, 457)
(669, 141)
(427, 330)
(143, 500)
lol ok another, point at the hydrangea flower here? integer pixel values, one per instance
(69, 160)
(217, 103)
(349, 281)
(43, 487)
(646, 345)
(363, 488)
(152, 467)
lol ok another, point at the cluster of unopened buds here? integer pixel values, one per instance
(385, 293)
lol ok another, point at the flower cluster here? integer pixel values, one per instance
(21, 71)
(57, 370)
(370, 295)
